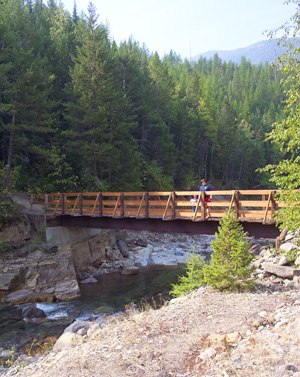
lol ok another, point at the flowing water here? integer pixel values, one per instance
(111, 294)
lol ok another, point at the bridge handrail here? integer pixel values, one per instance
(249, 205)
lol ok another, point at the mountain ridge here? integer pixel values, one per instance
(265, 51)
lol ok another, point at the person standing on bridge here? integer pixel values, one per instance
(204, 187)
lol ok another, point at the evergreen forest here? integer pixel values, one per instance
(80, 113)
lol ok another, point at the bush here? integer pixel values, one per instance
(8, 209)
(194, 276)
(229, 267)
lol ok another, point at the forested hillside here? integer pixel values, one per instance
(78, 112)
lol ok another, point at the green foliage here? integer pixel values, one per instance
(193, 279)
(8, 209)
(229, 267)
(116, 117)
(285, 133)
(291, 255)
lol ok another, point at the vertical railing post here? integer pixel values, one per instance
(80, 204)
(62, 203)
(203, 205)
(146, 204)
(237, 203)
(122, 204)
(273, 203)
(100, 203)
(173, 205)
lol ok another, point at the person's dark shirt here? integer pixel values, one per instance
(206, 187)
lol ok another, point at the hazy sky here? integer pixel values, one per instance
(189, 27)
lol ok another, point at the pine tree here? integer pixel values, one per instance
(100, 122)
(229, 267)
(26, 105)
(193, 279)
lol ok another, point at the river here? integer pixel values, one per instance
(109, 295)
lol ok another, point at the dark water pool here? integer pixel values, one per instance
(111, 294)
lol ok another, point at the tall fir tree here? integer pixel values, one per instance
(229, 267)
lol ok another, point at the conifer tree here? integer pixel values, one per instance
(229, 267)
(194, 277)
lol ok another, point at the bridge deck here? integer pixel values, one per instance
(250, 205)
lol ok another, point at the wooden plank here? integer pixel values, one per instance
(185, 213)
(117, 194)
(90, 194)
(141, 204)
(255, 192)
(134, 193)
(135, 203)
(167, 205)
(107, 202)
(267, 208)
(186, 203)
(116, 206)
(253, 203)
(200, 201)
(76, 203)
(159, 193)
(89, 202)
(160, 203)
(252, 214)
(158, 212)
(220, 204)
(96, 202)
(186, 193)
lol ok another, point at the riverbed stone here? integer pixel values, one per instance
(89, 280)
(66, 340)
(123, 247)
(31, 311)
(76, 326)
(280, 271)
(141, 242)
(9, 280)
(288, 246)
(21, 296)
(68, 290)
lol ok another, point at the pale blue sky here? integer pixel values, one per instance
(189, 27)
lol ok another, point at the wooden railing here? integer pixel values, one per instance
(249, 205)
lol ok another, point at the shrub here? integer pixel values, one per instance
(229, 267)
(8, 209)
(193, 279)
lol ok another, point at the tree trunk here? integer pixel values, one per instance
(8, 178)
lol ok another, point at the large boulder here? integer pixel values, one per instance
(32, 312)
(280, 271)
(123, 247)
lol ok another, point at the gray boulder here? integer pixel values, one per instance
(31, 311)
(123, 247)
(280, 271)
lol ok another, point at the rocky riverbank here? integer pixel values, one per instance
(249, 334)
(38, 271)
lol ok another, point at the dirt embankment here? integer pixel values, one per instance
(203, 334)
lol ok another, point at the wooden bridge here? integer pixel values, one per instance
(96, 208)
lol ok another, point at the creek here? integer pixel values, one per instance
(109, 295)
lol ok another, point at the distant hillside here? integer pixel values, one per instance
(260, 52)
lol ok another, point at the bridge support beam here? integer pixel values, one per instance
(256, 230)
